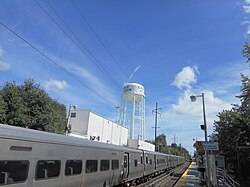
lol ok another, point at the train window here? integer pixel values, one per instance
(146, 160)
(141, 159)
(73, 167)
(91, 166)
(125, 161)
(13, 171)
(136, 162)
(104, 165)
(47, 169)
(150, 161)
(115, 164)
(160, 161)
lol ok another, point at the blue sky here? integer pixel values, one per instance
(182, 48)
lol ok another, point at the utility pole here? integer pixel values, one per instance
(175, 139)
(155, 111)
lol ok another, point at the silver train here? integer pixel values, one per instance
(33, 158)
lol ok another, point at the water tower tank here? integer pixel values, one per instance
(133, 109)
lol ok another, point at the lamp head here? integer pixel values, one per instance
(193, 98)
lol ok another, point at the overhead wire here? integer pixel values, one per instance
(68, 28)
(98, 38)
(88, 54)
(52, 61)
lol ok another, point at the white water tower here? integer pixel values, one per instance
(133, 110)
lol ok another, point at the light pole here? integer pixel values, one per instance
(117, 108)
(193, 99)
(67, 129)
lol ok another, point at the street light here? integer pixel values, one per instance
(67, 129)
(193, 99)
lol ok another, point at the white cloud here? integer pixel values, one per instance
(55, 85)
(246, 8)
(1, 51)
(213, 104)
(94, 82)
(4, 66)
(247, 2)
(186, 77)
(248, 30)
(245, 22)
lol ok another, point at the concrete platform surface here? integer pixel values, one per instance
(191, 177)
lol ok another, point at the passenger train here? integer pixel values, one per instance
(33, 158)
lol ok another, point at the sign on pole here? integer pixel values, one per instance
(211, 146)
(200, 147)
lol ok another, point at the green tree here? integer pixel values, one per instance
(15, 110)
(2, 109)
(30, 106)
(233, 133)
(246, 51)
(228, 128)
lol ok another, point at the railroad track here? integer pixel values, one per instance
(166, 179)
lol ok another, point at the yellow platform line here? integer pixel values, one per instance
(184, 175)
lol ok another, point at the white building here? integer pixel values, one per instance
(88, 125)
(139, 144)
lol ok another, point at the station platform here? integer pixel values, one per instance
(191, 177)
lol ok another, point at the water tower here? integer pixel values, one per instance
(133, 110)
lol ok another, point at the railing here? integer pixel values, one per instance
(222, 176)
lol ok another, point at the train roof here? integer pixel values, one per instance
(19, 133)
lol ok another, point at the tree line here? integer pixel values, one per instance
(162, 147)
(232, 130)
(29, 106)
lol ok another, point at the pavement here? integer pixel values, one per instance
(191, 177)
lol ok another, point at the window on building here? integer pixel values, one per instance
(73, 167)
(91, 166)
(104, 165)
(47, 169)
(115, 164)
(13, 171)
(73, 115)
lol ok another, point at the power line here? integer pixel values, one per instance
(88, 54)
(99, 38)
(52, 61)
(155, 127)
(74, 33)
(93, 59)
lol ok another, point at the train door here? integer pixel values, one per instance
(126, 166)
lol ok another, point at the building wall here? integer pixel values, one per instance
(106, 132)
(94, 127)
(79, 123)
(139, 144)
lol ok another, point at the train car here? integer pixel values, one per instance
(155, 163)
(161, 162)
(47, 159)
(31, 158)
(149, 163)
